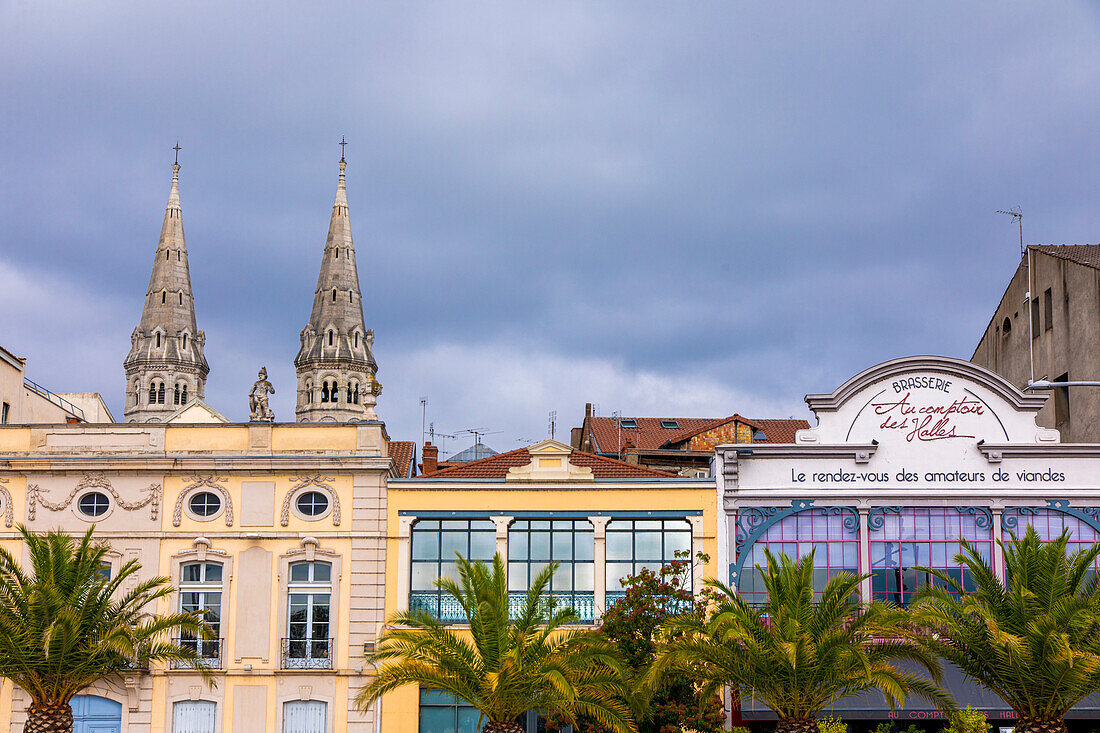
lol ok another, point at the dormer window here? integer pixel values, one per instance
(631, 423)
(670, 424)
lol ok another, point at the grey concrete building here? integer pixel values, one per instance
(166, 367)
(335, 365)
(1047, 327)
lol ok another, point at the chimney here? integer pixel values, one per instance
(431, 459)
(588, 409)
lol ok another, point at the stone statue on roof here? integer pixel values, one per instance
(257, 399)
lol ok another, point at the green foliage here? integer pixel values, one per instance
(967, 721)
(890, 727)
(1034, 641)
(831, 725)
(737, 729)
(633, 624)
(65, 626)
(504, 666)
(797, 654)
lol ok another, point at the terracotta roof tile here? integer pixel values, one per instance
(498, 466)
(649, 435)
(781, 430)
(1082, 254)
(402, 452)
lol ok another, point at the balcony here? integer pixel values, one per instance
(446, 608)
(209, 652)
(306, 653)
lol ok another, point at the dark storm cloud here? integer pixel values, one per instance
(691, 208)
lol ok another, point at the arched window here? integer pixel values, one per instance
(334, 295)
(152, 393)
(349, 392)
(167, 254)
(324, 391)
(137, 392)
(330, 338)
(357, 339)
(158, 339)
(334, 395)
(1006, 327)
(181, 297)
(337, 253)
(309, 392)
(178, 258)
(163, 296)
(183, 395)
(160, 393)
(349, 297)
(176, 395)
(185, 341)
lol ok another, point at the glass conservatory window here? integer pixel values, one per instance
(836, 545)
(926, 537)
(434, 544)
(534, 543)
(642, 543)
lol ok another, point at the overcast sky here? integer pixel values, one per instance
(687, 209)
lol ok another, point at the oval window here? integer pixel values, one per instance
(312, 503)
(205, 504)
(94, 504)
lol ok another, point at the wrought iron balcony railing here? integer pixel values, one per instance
(447, 609)
(209, 652)
(306, 653)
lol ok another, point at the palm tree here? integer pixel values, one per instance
(503, 666)
(798, 654)
(1034, 640)
(66, 625)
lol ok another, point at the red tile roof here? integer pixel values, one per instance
(498, 466)
(709, 425)
(780, 430)
(1082, 254)
(402, 452)
(649, 435)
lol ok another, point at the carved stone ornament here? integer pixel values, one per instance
(209, 482)
(318, 481)
(5, 497)
(94, 480)
(257, 399)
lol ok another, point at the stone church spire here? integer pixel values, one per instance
(335, 365)
(166, 368)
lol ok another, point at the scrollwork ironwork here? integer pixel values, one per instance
(983, 518)
(876, 518)
(753, 522)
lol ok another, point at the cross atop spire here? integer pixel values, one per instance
(343, 142)
(177, 149)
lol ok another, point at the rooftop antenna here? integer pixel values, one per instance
(423, 417)
(477, 433)
(1018, 217)
(432, 432)
(618, 415)
(553, 423)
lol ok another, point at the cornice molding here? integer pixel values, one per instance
(193, 464)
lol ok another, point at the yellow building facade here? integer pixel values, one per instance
(277, 531)
(601, 519)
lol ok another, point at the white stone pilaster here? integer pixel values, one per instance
(696, 547)
(599, 563)
(865, 587)
(502, 524)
